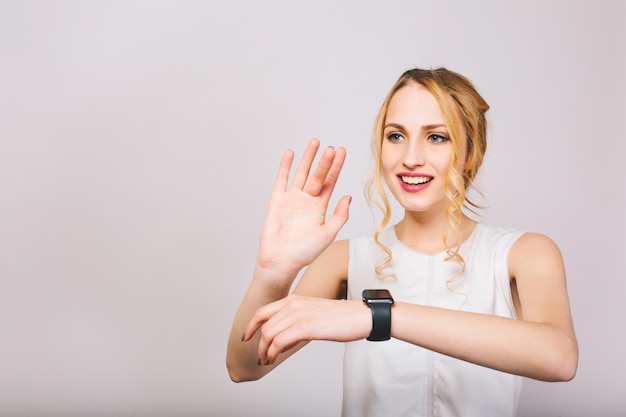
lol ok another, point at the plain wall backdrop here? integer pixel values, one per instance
(139, 142)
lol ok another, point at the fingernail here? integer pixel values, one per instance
(331, 147)
(243, 337)
(267, 362)
(258, 362)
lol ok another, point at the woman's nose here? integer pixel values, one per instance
(414, 156)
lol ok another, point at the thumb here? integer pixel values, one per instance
(340, 216)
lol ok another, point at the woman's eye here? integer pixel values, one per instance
(394, 137)
(436, 138)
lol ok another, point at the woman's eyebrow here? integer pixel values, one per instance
(394, 125)
(424, 127)
(433, 126)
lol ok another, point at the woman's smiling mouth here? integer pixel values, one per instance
(414, 180)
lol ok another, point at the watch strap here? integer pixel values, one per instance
(381, 322)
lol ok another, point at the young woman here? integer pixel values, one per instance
(467, 308)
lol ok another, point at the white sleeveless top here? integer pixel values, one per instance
(395, 378)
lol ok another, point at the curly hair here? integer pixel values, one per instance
(463, 111)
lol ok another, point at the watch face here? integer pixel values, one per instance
(373, 295)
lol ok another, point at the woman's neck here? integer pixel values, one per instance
(425, 233)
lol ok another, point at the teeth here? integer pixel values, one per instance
(415, 180)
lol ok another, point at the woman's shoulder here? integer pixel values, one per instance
(520, 238)
(536, 260)
(535, 245)
(520, 246)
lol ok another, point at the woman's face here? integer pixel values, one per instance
(416, 150)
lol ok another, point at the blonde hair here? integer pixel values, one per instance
(463, 111)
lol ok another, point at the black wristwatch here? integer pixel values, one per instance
(379, 301)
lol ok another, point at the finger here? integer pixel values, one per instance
(272, 331)
(251, 328)
(302, 172)
(282, 178)
(266, 340)
(333, 173)
(340, 216)
(281, 333)
(317, 180)
(282, 342)
(262, 315)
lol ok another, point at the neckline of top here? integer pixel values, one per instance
(394, 236)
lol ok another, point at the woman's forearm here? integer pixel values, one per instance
(537, 350)
(241, 358)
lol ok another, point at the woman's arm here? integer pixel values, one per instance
(541, 344)
(294, 233)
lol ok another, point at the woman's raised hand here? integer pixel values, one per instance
(295, 230)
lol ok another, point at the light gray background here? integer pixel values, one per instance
(138, 146)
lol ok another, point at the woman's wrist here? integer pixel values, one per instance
(275, 274)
